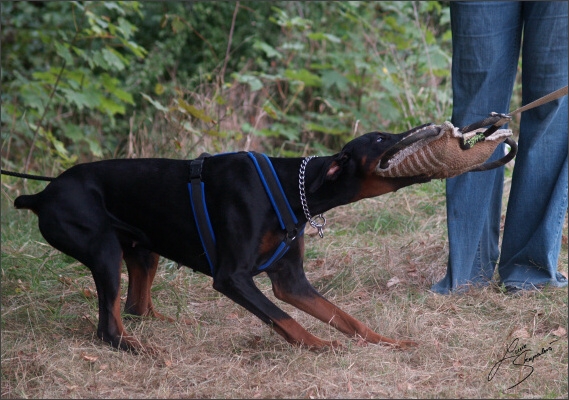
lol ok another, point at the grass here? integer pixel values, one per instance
(377, 261)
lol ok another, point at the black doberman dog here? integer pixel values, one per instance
(139, 209)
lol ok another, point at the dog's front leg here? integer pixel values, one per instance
(241, 289)
(290, 285)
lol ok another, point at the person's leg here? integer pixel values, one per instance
(538, 197)
(486, 42)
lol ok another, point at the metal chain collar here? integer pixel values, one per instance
(312, 220)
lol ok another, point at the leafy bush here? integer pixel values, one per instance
(62, 89)
(106, 79)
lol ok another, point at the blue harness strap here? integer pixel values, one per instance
(275, 193)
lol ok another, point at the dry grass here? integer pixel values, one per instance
(49, 313)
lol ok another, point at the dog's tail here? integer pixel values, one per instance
(29, 202)
(26, 201)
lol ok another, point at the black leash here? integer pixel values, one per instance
(27, 176)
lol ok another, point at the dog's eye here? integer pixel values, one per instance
(379, 139)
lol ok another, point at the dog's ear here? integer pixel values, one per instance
(329, 171)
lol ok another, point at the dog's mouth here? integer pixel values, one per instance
(422, 133)
(439, 151)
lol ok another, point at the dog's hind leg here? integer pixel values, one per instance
(106, 273)
(290, 285)
(79, 227)
(141, 265)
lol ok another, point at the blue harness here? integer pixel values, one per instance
(275, 193)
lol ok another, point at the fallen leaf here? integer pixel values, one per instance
(521, 333)
(361, 295)
(89, 358)
(89, 293)
(393, 281)
(65, 280)
(559, 332)
(403, 387)
(319, 262)
(232, 316)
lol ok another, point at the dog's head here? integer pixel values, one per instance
(379, 162)
(353, 168)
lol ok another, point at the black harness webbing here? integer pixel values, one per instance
(199, 208)
(275, 193)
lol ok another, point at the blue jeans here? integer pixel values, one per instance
(486, 46)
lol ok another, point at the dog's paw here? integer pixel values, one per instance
(324, 345)
(151, 351)
(405, 344)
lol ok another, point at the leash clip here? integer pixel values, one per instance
(319, 226)
(496, 120)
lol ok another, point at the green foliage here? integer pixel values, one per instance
(382, 66)
(63, 83)
(83, 80)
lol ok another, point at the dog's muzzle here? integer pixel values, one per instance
(443, 151)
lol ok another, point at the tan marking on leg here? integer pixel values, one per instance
(295, 334)
(140, 279)
(325, 311)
